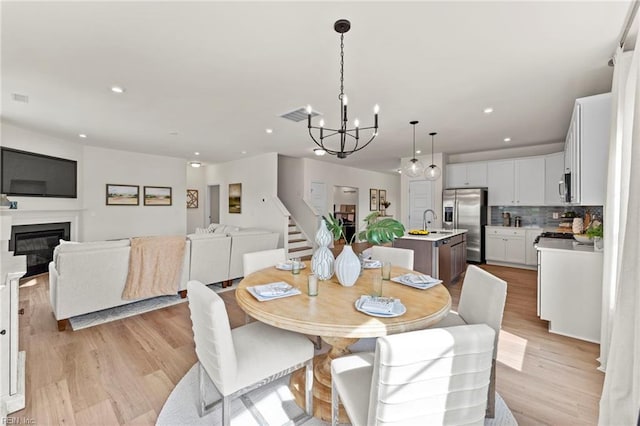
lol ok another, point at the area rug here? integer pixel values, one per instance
(272, 404)
(136, 308)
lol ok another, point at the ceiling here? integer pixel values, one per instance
(212, 76)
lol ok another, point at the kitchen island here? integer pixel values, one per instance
(441, 254)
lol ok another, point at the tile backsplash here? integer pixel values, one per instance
(540, 216)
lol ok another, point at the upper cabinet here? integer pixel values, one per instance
(553, 177)
(469, 175)
(586, 149)
(519, 182)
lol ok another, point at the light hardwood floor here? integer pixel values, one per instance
(122, 372)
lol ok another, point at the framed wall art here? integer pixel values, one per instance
(373, 199)
(157, 196)
(235, 198)
(122, 195)
(382, 197)
(192, 198)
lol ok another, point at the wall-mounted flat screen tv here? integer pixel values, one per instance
(28, 174)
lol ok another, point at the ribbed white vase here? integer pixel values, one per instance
(347, 267)
(322, 260)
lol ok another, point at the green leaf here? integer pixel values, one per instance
(334, 226)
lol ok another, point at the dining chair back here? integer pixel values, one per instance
(396, 256)
(257, 260)
(229, 359)
(482, 300)
(429, 377)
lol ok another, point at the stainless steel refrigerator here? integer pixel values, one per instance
(466, 208)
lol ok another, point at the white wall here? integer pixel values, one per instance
(106, 166)
(259, 178)
(344, 195)
(506, 152)
(197, 218)
(26, 140)
(436, 189)
(337, 175)
(291, 193)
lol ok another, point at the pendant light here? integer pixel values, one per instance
(432, 172)
(414, 168)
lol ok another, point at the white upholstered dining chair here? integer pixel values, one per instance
(257, 260)
(482, 301)
(396, 256)
(245, 358)
(427, 377)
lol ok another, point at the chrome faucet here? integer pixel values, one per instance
(424, 218)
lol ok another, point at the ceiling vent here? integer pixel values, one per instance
(20, 98)
(299, 114)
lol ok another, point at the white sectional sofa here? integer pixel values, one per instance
(88, 277)
(217, 257)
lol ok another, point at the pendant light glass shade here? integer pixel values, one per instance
(414, 167)
(432, 172)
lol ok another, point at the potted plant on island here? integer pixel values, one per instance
(595, 233)
(375, 231)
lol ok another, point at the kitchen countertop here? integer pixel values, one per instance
(557, 244)
(435, 235)
(515, 227)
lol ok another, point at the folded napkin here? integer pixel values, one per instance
(377, 305)
(273, 289)
(369, 263)
(418, 279)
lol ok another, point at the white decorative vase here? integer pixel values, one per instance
(347, 266)
(322, 260)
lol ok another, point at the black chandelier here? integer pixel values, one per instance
(342, 26)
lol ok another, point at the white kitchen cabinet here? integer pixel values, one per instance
(12, 379)
(531, 253)
(500, 181)
(586, 149)
(553, 175)
(518, 182)
(505, 245)
(469, 175)
(570, 290)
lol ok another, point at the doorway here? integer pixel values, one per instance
(345, 207)
(214, 204)
(420, 199)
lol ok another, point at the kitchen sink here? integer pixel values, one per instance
(441, 232)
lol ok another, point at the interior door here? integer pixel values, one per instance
(319, 197)
(420, 199)
(214, 204)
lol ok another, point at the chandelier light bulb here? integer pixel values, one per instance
(309, 110)
(356, 122)
(321, 123)
(376, 109)
(345, 100)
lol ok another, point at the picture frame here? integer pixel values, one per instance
(382, 198)
(192, 198)
(373, 199)
(122, 195)
(157, 196)
(235, 198)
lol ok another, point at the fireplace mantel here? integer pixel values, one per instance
(36, 216)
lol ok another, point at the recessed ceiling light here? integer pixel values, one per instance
(488, 110)
(269, 131)
(243, 152)
(418, 152)
(507, 139)
(399, 171)
(117, 89)
(173, 133)
(82, 135)
(196, 153)
(319, 152)
(195, 164)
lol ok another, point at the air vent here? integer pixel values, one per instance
(20, 98)
(299, 114)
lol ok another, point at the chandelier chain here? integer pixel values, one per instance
(341, 67)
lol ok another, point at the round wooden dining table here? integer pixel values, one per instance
(332, 315)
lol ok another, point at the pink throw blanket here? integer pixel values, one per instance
(155, 267)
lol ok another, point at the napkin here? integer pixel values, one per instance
(377, 305)
(418, 279)
(273, 289)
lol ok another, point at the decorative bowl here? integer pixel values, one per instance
(418, 232)
(583, 238)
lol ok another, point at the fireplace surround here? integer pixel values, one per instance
(37, 242)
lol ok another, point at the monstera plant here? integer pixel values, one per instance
(375, 230)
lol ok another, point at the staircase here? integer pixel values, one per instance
(299, 246)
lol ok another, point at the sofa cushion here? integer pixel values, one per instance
(73, 246)
(197, 236)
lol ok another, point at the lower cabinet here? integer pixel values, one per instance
(505, 245)
(452, 258)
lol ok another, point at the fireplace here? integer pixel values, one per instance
(37, 243)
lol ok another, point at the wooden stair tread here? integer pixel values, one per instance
(297, 240)
(294, 232)
(300, 249)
